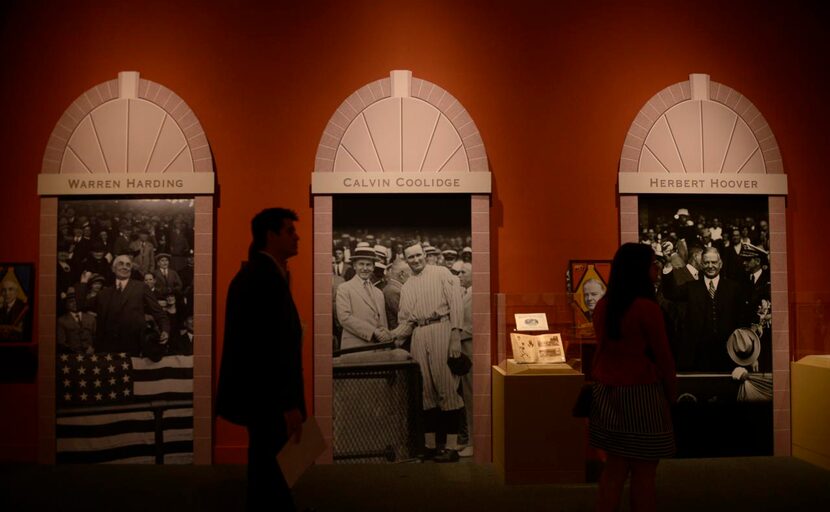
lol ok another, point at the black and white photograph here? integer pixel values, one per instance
(715, 293)
(16, 293)
(402, 334)
(124, 331)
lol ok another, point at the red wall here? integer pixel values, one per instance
(553, 89)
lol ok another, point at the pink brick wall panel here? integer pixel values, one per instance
(202, 366)
(481, 425)
(326, 153)
(365, 95)
(322, 224)
(666, 99)
(377, 93)
(781, 380)
(187, 120)
(466, 130)
(643, 121)
(634, 141)
(628, 165)
(677, 93)
(83, 104)
(323, 203)
(781, 419)
(783, 443)
(322, 384)
(385, 87)
(415, 87)
(143, 86)
(203, 165)
(435, 95)
(475, 149)
(479, 165)
(479, 203)
(652, 111)
(631, 153)
(463, 119)
(162, 96)
(480, 240)
(481, 343)
(323, 344)
(322, 362)
(354, 104)
(323, 325)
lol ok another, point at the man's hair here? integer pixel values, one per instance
(122, 256)
(412, 243)
(270, 219)
(712, 250)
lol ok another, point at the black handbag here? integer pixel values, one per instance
(582, 407)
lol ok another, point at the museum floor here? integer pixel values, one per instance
(758, 484)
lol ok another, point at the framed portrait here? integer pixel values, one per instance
(587, 282)
(17, 286)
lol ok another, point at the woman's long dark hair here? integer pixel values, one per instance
(630, 279)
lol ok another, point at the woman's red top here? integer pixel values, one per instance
(642, 355)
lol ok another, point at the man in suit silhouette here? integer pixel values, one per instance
(715, 308)
(121, 310)
(261, 375)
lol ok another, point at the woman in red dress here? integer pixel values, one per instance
(635, 381)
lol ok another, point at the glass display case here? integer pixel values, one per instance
(557, 310)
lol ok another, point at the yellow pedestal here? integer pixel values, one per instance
(535, 438)
(811, 410)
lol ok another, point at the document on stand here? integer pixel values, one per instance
(295, 458)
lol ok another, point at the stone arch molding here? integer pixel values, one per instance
(128, 137)
(700, 127)
(401, 125)
(126, 128)
(402, 135)
(702, 137)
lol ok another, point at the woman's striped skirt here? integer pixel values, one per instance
(631, 421)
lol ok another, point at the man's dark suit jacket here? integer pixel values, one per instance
(705, 334)
(120, 316)
(261, 375)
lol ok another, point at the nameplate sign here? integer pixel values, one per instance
(734, 184)
(125, 184)
(400, 183)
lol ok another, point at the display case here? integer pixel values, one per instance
(535, 437)
(557, 308)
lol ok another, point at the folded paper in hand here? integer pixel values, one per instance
(295, 458)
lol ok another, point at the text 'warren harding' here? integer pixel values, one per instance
(147, 184)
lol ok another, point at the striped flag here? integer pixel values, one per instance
(119, 409)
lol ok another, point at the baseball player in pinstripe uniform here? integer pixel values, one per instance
(432, 310)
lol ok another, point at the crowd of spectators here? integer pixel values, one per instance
(157, 238)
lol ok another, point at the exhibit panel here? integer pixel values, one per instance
(401, 189)
(702, 182)
(125, 280)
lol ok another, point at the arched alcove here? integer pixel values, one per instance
(130, 138)
(700, 137)
(402, 135)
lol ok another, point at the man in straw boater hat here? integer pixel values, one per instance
(360, 306)
(432, 312)
(744, 348)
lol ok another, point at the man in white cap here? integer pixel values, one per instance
(432, 312)
(360, 306)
